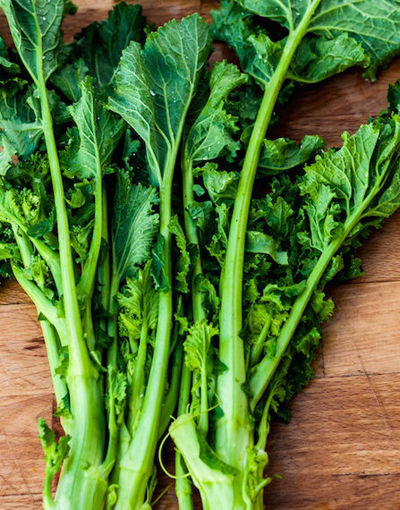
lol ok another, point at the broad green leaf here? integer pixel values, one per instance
(318, 58)
(220, 185)
(101, 44)
(35, 28)
(332, 35)
(340, 180)
(155, 85)
(20, 128)
(258, 54)
(99, 132)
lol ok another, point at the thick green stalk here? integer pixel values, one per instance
(78, 352)
(216, 488)
(138, 379)
(110, 287)
(77, 487)
(136, 465)
(199, 313)
(183, 486)
(233, 428)
(171, 398)
(49, 334)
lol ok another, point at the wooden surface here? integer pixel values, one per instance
(342, 448)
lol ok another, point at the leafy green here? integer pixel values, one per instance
(149, 84)
(99, 133)
(35, 28)
(101, 44)
(284, 154)
(155, 86)
(276, 252)
(134, 225)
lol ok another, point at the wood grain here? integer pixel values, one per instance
(342, 448)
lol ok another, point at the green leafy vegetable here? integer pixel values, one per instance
(279, 43)
(154, 89)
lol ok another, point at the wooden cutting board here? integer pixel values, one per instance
(342, 449)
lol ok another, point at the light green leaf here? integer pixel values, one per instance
(221, 185)
(139, 302)
(258, 242)
(155, 85)
(54, 452)
(197, 344)
(35, 28)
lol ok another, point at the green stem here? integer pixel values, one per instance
(233, 428)
(112, 321)
(42, 303)
(103, 274)
(216, 488)
(257, 349)
(52, 346)
(183, 486)
(171, 399)
(86, 283)
(199, 313)
(49, 334)
(79, 356)
(137, 465)
(138, 382)
(75, 488)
